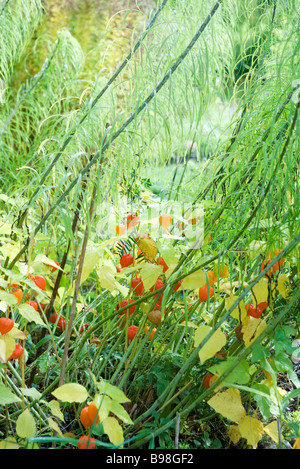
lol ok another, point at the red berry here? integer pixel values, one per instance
(160, 261)
(53, 318)
(178, 284)
(55, 268)
(132, 220)
(61, 324)
(18, 294)
(93, 413)
(85, 418)
(131, 309)
(39, 281)
(126, 260)
(86, 442)
(256, 312)
(6, 325)
(207, 380)
(151, 333)
(17, 352)
(159, 284)
(137, 286)
(204, 294)
(33, 304)
(84, 328)
(132, 330)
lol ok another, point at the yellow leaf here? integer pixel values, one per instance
(193, 281)
(71, 392)
(148, 247)
(7, 346)
(229, 404)
(9, 443)
(106, 271)
(113, 430)
(296, 445)
(104, 405)
(284, 287)
(251, 429)
(55, 409)
(90, 260)
(212, 346)
(46, 260)
(239, 311)
(260, 291)
(25, 425)
(149, 274)
(221, 271)
(272, 430)
(15, 333)
(252, 328)
(54, 426)
(234, 434)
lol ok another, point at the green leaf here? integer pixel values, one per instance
(239, 375)
(149, 274)
(31, 392)
(29, 313)
(8, 298)
(25, 425)
(104, 405)
(71, 392)
(113, 391)
(120, 412)
(7, 397)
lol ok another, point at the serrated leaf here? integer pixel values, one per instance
(229, 404)
(113, 430)
(251, 429)
(25, 425)
(7, 397)
(29, 313)
(148, 247)
(212, 346)
(71, 392)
